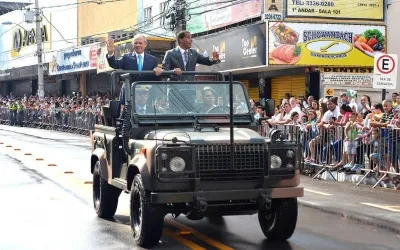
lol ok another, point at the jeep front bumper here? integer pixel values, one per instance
(226, 195)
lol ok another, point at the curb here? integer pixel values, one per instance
(371, 220)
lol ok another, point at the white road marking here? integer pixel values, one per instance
(316, 192)
(381, 207)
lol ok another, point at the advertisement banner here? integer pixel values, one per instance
(338, 9)
(239, 48)
(102, 63)
(75, 60)
(273, 10)
(314, 44)
(212, 14)
(347, 79)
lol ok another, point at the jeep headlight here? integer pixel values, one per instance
(290, 154)
(276, 161)
(177, 164)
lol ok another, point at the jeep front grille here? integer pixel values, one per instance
(213, 162)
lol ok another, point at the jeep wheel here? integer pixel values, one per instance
(147, 221)
(279, 223)
(105, 196)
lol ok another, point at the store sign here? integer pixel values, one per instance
(240, 48)
(212, 14)
(346, 70)
(347, 79)
(79, 59)
(273, 10)
(338, 9)
(324, 44)
(24, 38)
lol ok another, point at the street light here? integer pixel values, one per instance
(17, 24)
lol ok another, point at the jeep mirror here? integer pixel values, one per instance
(270, 107)
(115, 109)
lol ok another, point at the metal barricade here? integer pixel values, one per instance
(77, 122)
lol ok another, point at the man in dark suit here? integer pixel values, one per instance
(183, 58)
(138, 60)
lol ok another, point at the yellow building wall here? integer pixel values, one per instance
(107, 17)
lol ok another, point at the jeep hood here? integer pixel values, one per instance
(207, 135)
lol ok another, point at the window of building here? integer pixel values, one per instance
(163, 7)
(148, 19)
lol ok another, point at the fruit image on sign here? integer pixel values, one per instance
(324, 44)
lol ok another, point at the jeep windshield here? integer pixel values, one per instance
(188, 98)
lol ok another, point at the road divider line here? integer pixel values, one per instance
(8, 146)
(198, 235)
(39, 159)
(17, 149)
(28, 154)
(183, 241)
(317, 192)
(381, 207)
(52, 165)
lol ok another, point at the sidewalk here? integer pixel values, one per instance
(379, 207)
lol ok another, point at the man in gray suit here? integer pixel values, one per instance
(183, 58)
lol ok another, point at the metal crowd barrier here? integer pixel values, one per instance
(78, 122)
(375, 153)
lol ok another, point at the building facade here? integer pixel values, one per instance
(18, 60)
(393, 20)
(287, 44)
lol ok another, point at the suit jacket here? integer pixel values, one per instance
(129, 62)
(173, 59)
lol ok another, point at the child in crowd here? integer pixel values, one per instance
(350, 142)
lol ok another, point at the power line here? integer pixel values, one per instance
(56, 29)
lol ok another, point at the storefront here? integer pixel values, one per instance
(242, 48)
(337, 80)
(23, 80)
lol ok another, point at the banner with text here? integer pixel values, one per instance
(314, 44)
(338, 9)
(75, 60)
(212, 14)
(239, 48)
(347, 79)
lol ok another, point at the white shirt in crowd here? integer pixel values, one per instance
(329, 114)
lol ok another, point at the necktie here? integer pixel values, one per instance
(185, 54)
(140, 66)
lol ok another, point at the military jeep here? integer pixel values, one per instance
(192, 148)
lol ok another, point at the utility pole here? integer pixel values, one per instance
(39, 51)
(180, 7)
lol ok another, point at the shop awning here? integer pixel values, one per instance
(6, 7)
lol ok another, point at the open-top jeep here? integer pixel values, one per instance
(192, 148)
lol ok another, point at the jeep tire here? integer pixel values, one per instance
(279, 222)
(105, 196)
(147, 220)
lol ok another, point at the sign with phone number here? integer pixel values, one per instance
(338, 9)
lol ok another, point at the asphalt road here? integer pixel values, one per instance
(50, 207)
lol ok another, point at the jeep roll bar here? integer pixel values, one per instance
(116, 73)
(126, 125)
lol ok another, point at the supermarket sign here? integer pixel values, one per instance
(337, 9)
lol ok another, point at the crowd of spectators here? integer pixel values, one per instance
(349, 134)
(70, 110)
